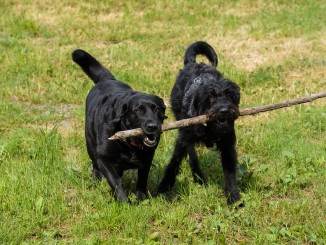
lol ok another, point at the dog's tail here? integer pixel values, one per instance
(94, 69)
(203, 48)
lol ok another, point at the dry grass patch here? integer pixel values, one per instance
(307, 78)
(64, 127)
(248, 53)
(248, 8)
(251, 120)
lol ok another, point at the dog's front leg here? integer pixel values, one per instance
(113, 180)
(142, 182)
(172, 169)
(229, 163)
(143, 173)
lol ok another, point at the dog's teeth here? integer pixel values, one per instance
(150, 143)
(205, 124)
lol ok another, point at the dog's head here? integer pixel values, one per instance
(216, 97)
(146, 112)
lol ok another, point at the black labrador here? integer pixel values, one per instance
(201, 89)
(112, 106)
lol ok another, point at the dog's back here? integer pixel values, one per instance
(105, 82)
(191, 70)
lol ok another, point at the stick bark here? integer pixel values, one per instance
(203, 118)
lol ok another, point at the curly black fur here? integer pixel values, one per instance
(201, 89)
(113, 106)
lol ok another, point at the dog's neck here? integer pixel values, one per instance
(188, 97)
(133, 143)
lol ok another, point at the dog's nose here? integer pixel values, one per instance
(151, 127)
(223, 115)
(224, 112)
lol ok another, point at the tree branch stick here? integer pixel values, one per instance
(203, 118)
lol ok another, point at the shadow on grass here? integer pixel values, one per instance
(211, 166)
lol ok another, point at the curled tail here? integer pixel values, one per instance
(94, 69)
(203, 48)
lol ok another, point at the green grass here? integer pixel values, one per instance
(274, 50)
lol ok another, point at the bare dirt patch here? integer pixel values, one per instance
(65, 125)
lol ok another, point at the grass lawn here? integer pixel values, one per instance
(274, 50)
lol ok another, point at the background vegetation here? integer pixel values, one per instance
(274, 50)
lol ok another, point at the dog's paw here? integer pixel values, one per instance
(200, 180)
(141, 195)
(169, 196)
(234, 198)
(96, 175)
(163, 187)
(166, 183)
(237, 204)
(121, 196)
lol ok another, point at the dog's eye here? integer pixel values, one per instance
(139, 111)
(157, 110)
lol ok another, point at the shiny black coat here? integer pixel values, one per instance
(113, 106)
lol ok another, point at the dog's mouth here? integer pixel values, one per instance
(222, 120)
(223, 116)
(150, 141)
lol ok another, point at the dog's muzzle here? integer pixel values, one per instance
(151, 131)
(223, 115)
(150, 141)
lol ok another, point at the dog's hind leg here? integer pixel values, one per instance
(194, 164)
(96, 173)
(172, 170)
(229, 163)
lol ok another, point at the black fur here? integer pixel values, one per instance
(201, 89)
(112, 106)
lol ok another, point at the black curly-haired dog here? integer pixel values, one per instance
(201, 89)
(112, 106)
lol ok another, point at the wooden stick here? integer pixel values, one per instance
(203, 118)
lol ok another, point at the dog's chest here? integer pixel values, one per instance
(203, 134)
(129, 159)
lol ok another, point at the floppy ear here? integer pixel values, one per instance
(163, 107)
(233, 91)
(124, 109)
(236, 95)
(104, 99)
(120, 113)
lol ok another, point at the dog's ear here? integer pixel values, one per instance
(123, 110)
(236, 95)
(233, 91)
(163, 107)
(104, 99)
(120, 113)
